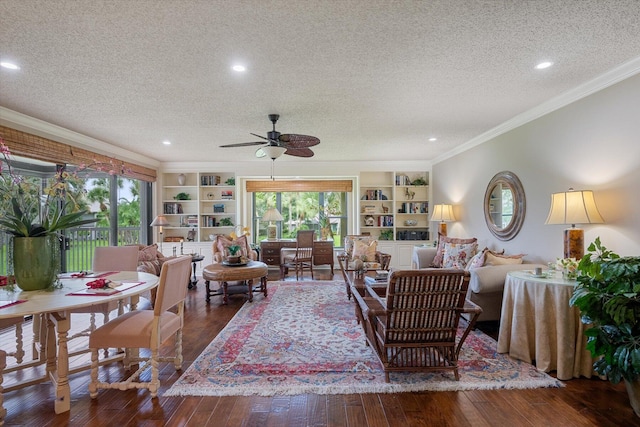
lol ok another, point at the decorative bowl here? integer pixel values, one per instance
(411, 222)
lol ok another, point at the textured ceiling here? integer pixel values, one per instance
(372, 79)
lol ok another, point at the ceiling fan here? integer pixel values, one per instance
(277, 143)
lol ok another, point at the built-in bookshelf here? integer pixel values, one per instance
(198, 205)
(394, 205)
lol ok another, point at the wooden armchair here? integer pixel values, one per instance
(361, 246)
(412, 324)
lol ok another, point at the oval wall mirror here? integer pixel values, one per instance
(504, 205)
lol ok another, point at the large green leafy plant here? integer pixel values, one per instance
(34, 212)
(608, 296)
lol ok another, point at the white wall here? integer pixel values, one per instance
(593, 143)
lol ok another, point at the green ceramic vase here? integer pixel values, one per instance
(35, 262)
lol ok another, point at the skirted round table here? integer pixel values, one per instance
(235, 279)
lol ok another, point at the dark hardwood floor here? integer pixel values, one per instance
(583, 402)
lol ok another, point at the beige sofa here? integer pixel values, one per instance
(486, 284)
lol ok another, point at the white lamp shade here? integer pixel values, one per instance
(442, 213)
(159, 221)
(573, 207)
(272, 214)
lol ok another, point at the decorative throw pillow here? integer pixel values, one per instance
(366, 249)
(349, 243)
(477, 260)
(495, 259)
(458, 255)
(223, 242)
(148, 253)
(442, 240)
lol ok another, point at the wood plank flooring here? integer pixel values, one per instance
(583, 402)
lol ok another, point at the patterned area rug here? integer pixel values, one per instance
(304, 338)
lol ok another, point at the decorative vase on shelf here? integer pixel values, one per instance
(35, 261)
(182, 178)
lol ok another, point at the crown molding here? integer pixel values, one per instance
(611, 77)
(38, 127)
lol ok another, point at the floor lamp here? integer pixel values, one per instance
(160, 221)
(442, 214)
(574, 207)
(271, 215)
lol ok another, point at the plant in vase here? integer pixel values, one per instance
(234, 256)
(608, 296)
(34, 218)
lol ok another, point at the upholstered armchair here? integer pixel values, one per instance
(150, 259)
(222, 242)
(364, 248)
(412, 323)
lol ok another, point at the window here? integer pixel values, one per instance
(113, 199)
(305, 210)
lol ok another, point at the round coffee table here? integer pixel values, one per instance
(243, 274)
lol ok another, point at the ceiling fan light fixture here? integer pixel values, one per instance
(273, 151)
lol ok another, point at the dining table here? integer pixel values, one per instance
(54, 307)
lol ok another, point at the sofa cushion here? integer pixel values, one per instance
(490, 278)
(458, 255)
(442, 240)
(492, 258)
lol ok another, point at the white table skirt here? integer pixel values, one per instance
(537, 324)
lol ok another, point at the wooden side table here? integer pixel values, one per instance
(244, 274)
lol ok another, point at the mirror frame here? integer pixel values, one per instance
(511, 180)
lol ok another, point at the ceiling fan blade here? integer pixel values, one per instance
(243, 144)
(260, 136)
(299, 152)
(292, 140)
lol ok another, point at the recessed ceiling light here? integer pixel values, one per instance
(433, 139)
(9, 65)
(543, 65)
(166, 142)
(239, 68)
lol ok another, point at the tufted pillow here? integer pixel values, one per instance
(223, 242)
(458, 255)
(366, 249)
(492, 258)
(442, 240)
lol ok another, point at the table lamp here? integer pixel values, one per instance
(442, 213)
(160, 221)
(271, 215)
(573, 207)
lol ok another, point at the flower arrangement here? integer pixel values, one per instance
(568, 266)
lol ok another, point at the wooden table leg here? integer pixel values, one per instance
(225, 294)
(208, 294)
(60, 375)
(250, 289)
(263, 283)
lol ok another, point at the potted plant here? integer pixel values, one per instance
(608, 296)
(234, 254)
(34, 220)
(182, 196)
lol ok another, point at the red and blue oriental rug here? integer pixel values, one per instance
(304, 338)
